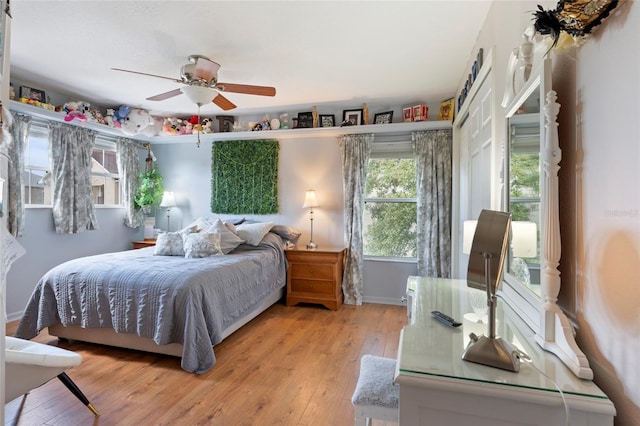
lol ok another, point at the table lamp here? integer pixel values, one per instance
(310, 201)
(168, 201)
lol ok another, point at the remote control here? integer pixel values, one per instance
(446, 319)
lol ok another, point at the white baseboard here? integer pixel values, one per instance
(14, 316)
(384, 300)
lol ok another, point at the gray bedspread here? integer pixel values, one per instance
(170, 299)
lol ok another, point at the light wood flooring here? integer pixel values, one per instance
(289, 366)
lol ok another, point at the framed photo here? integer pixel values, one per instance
(446, 109)
(383, 118)
(352, 117)
(32, 94)
(328, 120)
(305, 120)
(407, 114)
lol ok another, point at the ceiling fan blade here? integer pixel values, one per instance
(206, 69)
(223, 102)
(165, 95)
(247, 88)
(147, 74)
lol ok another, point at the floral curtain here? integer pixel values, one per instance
(355, 151)
(432, 150)
(70, 149)
(15, 183)
(128, 169)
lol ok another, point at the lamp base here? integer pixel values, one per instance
(312, 246)
(493, 352)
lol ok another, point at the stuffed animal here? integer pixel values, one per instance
(207, 125)
(171, 126)
(108, 118)
(139, 121)
(95, 116)
(119, 115)
(76, 110)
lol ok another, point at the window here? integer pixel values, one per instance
(37, 180)
(389, 223)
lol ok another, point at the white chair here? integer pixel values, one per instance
(376, 395)
(30, 364)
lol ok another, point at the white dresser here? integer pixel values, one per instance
(438, 388)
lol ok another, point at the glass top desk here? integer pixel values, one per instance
(438, 388)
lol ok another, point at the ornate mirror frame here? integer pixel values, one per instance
(529, 70)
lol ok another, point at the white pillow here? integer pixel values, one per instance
(228, 239)
(253, 233)
(200, 224)
(202, 244)
(169, 244)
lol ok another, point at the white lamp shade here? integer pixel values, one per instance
(199, 95)
(524, 239)
(168, 200)
(468, 232)
(310, 199)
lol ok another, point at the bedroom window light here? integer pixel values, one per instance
(389, 222)
(37, 183)
(105, 180)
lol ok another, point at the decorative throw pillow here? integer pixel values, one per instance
(228, 239)
(253, 233)
(200, 224)
(202, 244)
(287, 233)
(169, 244)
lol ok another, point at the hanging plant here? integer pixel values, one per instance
(150, 190)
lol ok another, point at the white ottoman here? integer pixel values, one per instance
(376, 395)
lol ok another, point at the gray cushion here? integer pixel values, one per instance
(375, 384)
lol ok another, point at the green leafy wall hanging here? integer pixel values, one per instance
(244, 177)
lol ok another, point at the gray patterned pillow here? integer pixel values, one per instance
(169, 244)
(202, 244)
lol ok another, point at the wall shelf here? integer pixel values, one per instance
(318, 132)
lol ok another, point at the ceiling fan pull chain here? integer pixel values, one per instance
(198, 142)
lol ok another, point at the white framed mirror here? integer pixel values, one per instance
(532, 156)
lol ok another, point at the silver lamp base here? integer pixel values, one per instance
(493, 352)
(312, 246)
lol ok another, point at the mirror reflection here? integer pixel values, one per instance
(524, 192)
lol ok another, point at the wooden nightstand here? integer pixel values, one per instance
(315, 276)
(143, 243)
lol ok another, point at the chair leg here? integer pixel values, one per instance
(77, 392)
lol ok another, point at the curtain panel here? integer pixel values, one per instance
(70, 150)
(19, 131)
(355, 150)
(432, 150)
(127, 158)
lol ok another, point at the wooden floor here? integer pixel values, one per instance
(289, 366)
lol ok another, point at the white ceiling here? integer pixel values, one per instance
(338, 53)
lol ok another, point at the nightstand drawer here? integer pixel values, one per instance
(313, 286)
(312, 270)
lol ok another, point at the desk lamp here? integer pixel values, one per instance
(486, 262)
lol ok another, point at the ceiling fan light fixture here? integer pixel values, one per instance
(199, 95)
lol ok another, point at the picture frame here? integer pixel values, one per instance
(327, 120)
(407, 114)
(447, 109)
(383, 117)
(33, 94)
(352, 117)
(305, 120)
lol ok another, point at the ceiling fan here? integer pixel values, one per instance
(201, 85)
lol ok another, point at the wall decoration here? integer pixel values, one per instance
(407, 114)
(305, 120)
(383, 117)
(352, 117)
(576, 18)
(327, 120)
(446, 109)
(244, 177)
(225, 123)
(33, 94)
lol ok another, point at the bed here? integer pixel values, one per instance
(174, 305)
